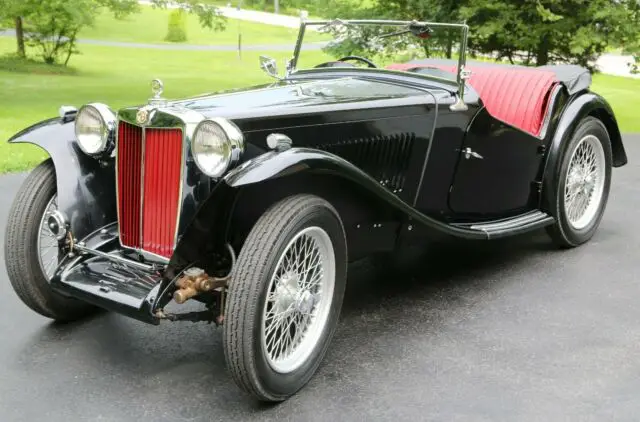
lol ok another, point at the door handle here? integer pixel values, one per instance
(468, 153)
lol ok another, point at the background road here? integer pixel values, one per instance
(508, 330)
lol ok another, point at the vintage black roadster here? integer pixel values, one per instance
(252, 202)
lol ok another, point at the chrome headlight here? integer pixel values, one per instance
(95, 128)
(216, 144)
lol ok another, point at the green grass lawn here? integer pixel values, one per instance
(150, 26)
(624, 96)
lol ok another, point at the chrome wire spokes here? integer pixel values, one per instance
(584, 184)
(298, 300)
(48, 249)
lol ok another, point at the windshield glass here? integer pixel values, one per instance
(380, 43)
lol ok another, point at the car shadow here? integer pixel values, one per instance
(177, 359)
(437, 267)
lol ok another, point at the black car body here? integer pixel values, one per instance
(399, 154)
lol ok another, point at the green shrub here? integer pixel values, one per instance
(177, 31)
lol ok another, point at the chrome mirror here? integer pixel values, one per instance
(270, 66)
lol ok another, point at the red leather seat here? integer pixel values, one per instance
(517, 96)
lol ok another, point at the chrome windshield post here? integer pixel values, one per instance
(462, 74)
(293, 63)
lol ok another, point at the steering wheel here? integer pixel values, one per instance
(368, 62)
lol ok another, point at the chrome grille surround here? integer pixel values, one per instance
(158, 117)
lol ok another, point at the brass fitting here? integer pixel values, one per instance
(193, 282)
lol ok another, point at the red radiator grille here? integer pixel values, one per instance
(162, 178)
(129, 183)
(149, 180)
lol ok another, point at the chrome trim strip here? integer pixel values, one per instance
(115, 151)
(551, 106)
(185, 144)
(141, 210)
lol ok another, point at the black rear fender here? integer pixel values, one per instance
(580, 106)
(86, 186)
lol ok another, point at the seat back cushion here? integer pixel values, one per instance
(518, 96)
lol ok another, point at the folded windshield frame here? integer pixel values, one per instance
(461, 74)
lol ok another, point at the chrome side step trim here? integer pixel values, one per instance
(511, 226)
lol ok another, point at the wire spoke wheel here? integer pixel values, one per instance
(585, 181)
(284, 300)
(47, 245)
(580, 183)
(298, 300)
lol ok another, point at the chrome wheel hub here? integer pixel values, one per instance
(290, 295)
(286, 293)
(299, 300)
(584, 185)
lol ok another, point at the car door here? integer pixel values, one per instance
(496, 170)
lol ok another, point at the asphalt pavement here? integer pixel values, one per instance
(511, 330)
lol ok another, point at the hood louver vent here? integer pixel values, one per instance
(385, 158)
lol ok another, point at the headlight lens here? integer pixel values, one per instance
(216, 145)
(95, 125)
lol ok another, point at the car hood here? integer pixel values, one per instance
(287, 97)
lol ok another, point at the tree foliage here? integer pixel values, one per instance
(366, 41)
(54, 30)
(529, 31)
(208, 15)
(632, 44)
(544, 31)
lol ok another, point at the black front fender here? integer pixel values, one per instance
(86, 188)
(212, 219)
(579, 107)
(295, 160)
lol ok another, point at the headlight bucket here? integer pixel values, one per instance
(95, 129)
(216, 145)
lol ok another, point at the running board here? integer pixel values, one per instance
(522, 223)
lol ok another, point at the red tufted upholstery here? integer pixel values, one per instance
(517, 96)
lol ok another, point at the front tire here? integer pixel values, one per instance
(285, 297)
(28, 267)
(582, 189)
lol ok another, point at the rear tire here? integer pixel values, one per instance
(285, 297)
(24, 267)
(582, 189)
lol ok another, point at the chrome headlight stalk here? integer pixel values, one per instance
(216, 145)
(95, 128)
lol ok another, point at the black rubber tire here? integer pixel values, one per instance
(247, 294)
(561, 232)
(20, 251)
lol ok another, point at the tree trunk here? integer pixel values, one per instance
(20, 37)
(426, 49)
(542, 53)
(71, 46)
(449, 47)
